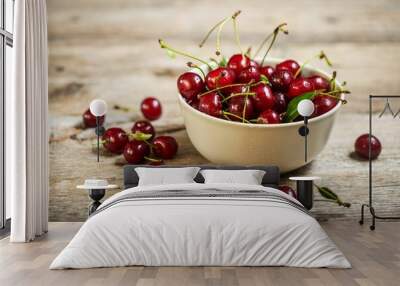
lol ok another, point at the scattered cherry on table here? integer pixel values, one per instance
(151, 108)
(89, 120)
(165, 147)
(145, 127)
(136, 151)
(114, 140)
(361, 146)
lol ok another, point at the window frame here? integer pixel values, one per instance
(6, 39)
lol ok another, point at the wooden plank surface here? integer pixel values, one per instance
(109, 50)
(374, 257)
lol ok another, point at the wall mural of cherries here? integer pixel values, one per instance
(141, 143)
(238, 89)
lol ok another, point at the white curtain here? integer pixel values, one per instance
(26, 124)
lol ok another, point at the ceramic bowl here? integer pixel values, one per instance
(227, 142)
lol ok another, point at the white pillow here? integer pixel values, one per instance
(163, 176)
(248, 177)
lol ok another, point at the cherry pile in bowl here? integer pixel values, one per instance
(141, 143)
(247, 92)
(239, 88)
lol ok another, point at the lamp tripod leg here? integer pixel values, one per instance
(305, 138)
(98, 138)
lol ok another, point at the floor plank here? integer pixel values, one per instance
(375, 257)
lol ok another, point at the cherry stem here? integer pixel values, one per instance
(164, 45)
(148, 143)
(219, 27)
(227, 114)
(218, 45)
(194, 66)
(101, 143)
(338, 91)
(333, 94)
(152, 159)
(233, 17)
(119, 107)
(211, 31)
(226, 86)
(236, 31)
(274, 34)
(214, 60)
(320, 56)
(244, 108)
(333, 81)
(239, 94)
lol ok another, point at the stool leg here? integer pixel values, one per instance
(305, 193)
(96, 195)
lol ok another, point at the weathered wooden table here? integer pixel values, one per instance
(109, 50)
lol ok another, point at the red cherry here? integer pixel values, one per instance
(288, 190)
(322, 104)
(135, 151)
(268, 71)
(151, 108)
(249, 74)
(361, 146)
(220, 77)
(299, 86)
(236, 106)
(211, 104)
(238, 62)
(89, 120)
(144, 126)
(194, 103)
(319, 83)
(254, 64)
(165, 147)
(289, 65)
(115, 140)
(264, 98)
(280, 102)
(281, 79)
(190, 85)
(269, 117)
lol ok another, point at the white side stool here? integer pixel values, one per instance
(97, 190)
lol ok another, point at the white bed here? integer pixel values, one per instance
(224, 225)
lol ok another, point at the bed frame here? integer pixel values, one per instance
(271, 177)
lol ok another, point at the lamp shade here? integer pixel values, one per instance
(305, 108)
(98, 107)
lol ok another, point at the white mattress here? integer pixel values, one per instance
(200, 231)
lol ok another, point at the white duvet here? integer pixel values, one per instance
(200, 231)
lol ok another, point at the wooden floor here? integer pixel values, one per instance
(375, 257)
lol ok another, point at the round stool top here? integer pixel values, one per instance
(86, 187)
(304, 178)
